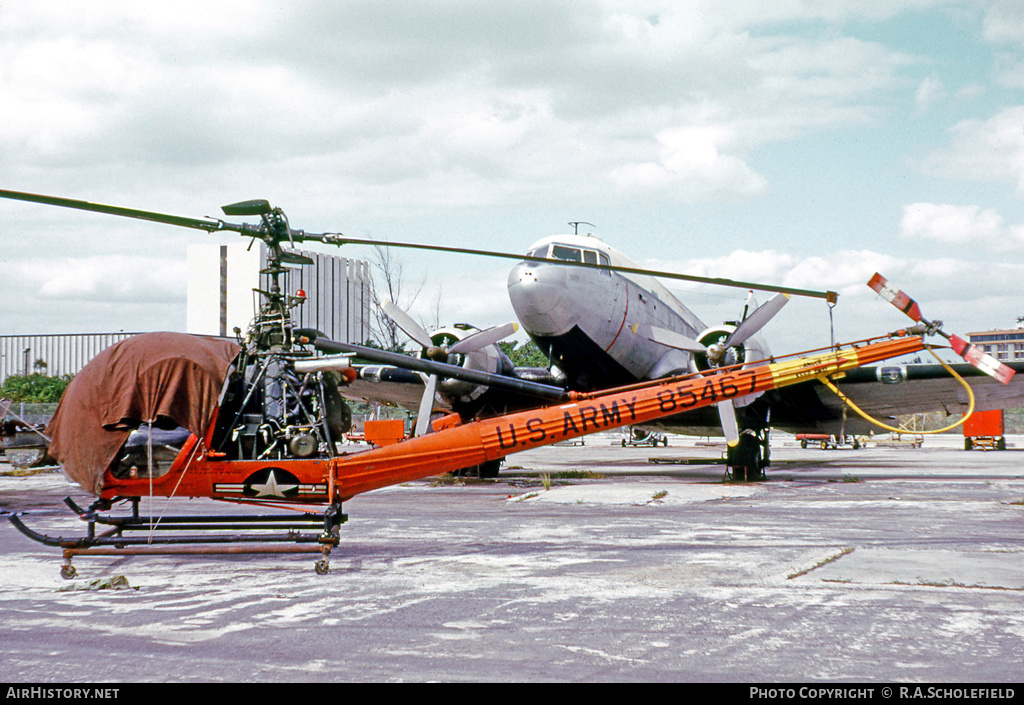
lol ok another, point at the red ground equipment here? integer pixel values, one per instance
(983, 430)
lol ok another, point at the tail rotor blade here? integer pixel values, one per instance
(983, 361)
(484, 338)
(895, 296)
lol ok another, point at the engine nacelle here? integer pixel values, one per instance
(489, 358)
(713, 339)
(752, 352)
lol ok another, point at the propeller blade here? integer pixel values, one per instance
(969, 352)
(484, 338)
(426, 406)
(410, 327)
(669, 338)
(757, 320)
(730, 427)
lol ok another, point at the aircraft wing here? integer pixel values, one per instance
(887, 391)
(388, 385)
(884, 392)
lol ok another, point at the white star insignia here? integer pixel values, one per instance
(271, 489)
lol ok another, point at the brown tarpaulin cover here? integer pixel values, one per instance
(170, 375)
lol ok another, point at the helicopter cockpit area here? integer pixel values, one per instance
(150, 381)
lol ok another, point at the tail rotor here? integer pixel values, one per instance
(968, 351)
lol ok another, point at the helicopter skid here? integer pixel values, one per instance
(196, 535)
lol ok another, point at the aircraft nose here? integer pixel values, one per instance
(539, 295)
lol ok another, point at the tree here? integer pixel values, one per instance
(388, 282)
(34, 388)
(526, 355)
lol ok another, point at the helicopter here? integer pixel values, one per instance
(258, 421)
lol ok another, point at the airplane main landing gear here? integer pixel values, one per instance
(746, 461)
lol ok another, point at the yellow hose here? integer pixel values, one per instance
(970, 395)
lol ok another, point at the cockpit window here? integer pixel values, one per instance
(570, 254)
(567, 253)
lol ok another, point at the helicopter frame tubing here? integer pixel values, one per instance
(195, 534)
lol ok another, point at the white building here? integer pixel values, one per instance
(221, 279)
(1004, 345)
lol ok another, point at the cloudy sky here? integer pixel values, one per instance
(804, 144)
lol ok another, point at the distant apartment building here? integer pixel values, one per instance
(1005, 345)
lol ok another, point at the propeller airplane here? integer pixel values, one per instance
(621, 325)
(603, 321)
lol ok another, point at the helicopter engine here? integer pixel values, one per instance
(276, 407)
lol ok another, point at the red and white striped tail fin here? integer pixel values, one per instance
(969, 352)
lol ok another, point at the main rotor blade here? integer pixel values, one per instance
(484, 338)
(757, 320)
(207, 224)
(404, 321)
(338, 239)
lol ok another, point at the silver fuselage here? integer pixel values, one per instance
(586, 320)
